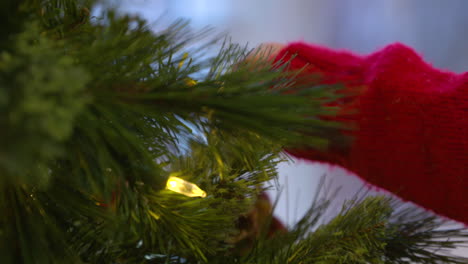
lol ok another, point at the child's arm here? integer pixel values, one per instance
(412, 123)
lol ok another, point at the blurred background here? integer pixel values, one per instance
(435, 28)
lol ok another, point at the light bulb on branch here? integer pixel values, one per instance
(184, 187)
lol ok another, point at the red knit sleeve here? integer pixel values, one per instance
(412, 123)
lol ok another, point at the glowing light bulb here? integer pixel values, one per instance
(184, 187)
(172, 184)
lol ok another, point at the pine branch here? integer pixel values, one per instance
(97, 113)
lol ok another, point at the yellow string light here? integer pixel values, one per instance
(182, 61)
(184, 187)
(188, 81)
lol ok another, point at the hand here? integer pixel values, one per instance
(337, 151)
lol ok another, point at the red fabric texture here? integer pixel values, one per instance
(412, 123)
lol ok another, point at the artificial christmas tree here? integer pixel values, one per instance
(122, 145)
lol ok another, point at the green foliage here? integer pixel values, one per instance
(367, 230)
(39, 104)
(96, 113)
(355, 236)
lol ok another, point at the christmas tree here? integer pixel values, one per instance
(124, 145)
